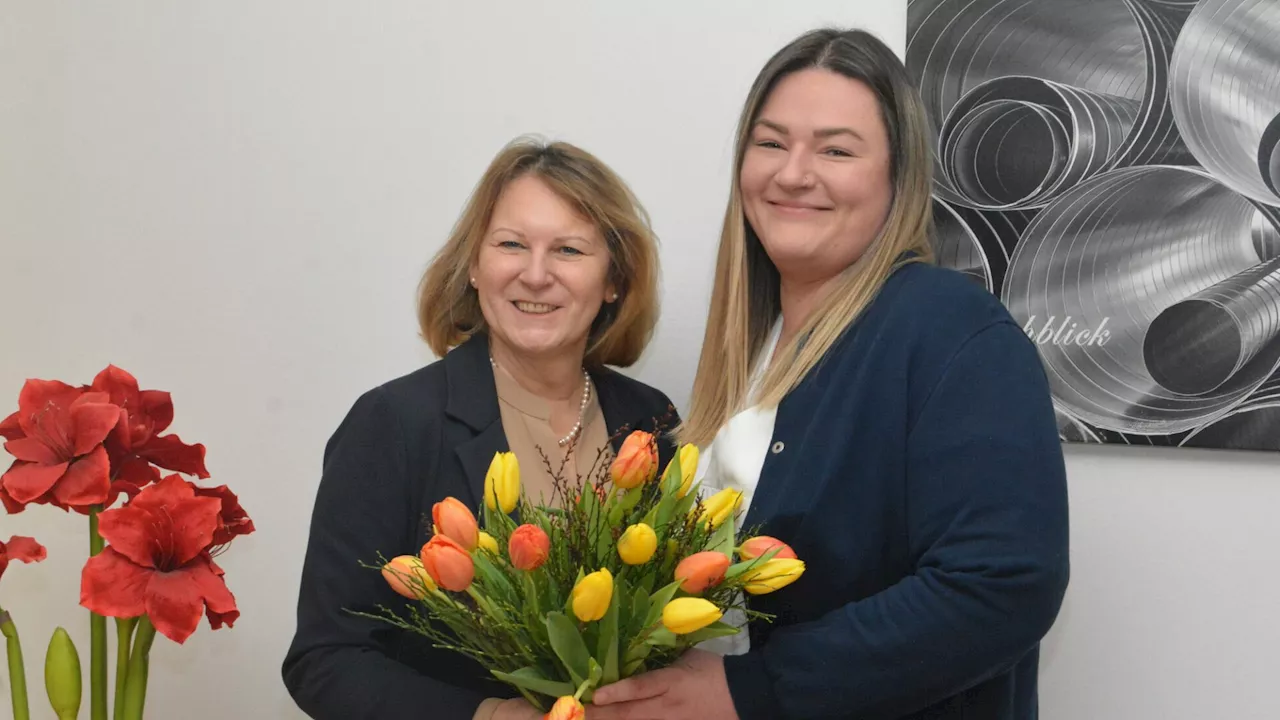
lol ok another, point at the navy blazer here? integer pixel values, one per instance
(917, 471)
(403, 447)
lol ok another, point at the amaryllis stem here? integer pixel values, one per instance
(17, 672)
(124, 641)
(97, 636)
(135, 685)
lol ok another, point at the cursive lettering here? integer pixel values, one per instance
(1067, 332)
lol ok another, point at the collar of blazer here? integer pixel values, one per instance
(473, 401)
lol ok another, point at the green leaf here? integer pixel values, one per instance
(738, 568)
(714, 630)
(607, 649)
(494, 579)
(685, 505)
(611, 661)
(530, 679)
(569, 646)
(651, 519)
(639, 611)
(589, 502)
(632, 498)
(604, 547)
(664, 510)
(659, 601)
(593, 681)
(662, 637)
(568, 598)
(674, 475)
(625, 504)
(723, 537)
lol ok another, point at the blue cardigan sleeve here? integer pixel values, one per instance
(987, 517)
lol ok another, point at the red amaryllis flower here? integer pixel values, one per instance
(232, 519)
(57, 436)
(20, 548)
(137, 443)
(157, 562)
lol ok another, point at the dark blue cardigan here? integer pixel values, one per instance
(918, 472)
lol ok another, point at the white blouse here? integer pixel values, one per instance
(734, 460)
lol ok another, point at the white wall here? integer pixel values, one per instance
(1173, 612)
(234, 201)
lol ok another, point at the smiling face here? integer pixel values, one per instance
(815, 177)
(542, 273)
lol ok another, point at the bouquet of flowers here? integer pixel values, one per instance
(559, 600)
(83, 449)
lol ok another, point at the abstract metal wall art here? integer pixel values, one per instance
(1110, 169)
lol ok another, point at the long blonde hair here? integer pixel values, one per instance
(448, 307)
(745, 300)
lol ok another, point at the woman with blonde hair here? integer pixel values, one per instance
(549, 277)
(884, 417)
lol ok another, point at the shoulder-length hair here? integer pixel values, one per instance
(745, 298)
(448, 307)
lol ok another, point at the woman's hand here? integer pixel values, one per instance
(516, 709)
(694, 688)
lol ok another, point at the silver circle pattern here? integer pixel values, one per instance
(1225, 93)
(1114, 164)
(1114, 253)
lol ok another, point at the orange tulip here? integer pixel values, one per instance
(701, 570)
(448, 563)
(637, 461)
(761, 544)
(456, 522)
(566, 708)
(528, 547)
(404, 573)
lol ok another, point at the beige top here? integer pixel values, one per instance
(527, 425)
(526, 421)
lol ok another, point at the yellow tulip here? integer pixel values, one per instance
(721, 507)
(685, 615)
(688, 468)
(400, 573)
(637, 544)
(774, 574)
(502, 482)
(487, 542)
(592, 595)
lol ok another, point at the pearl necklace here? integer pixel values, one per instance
(582, 406)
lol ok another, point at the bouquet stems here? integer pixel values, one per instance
(135, 684)
(124, 640)
(17, 672)
(97, 636)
